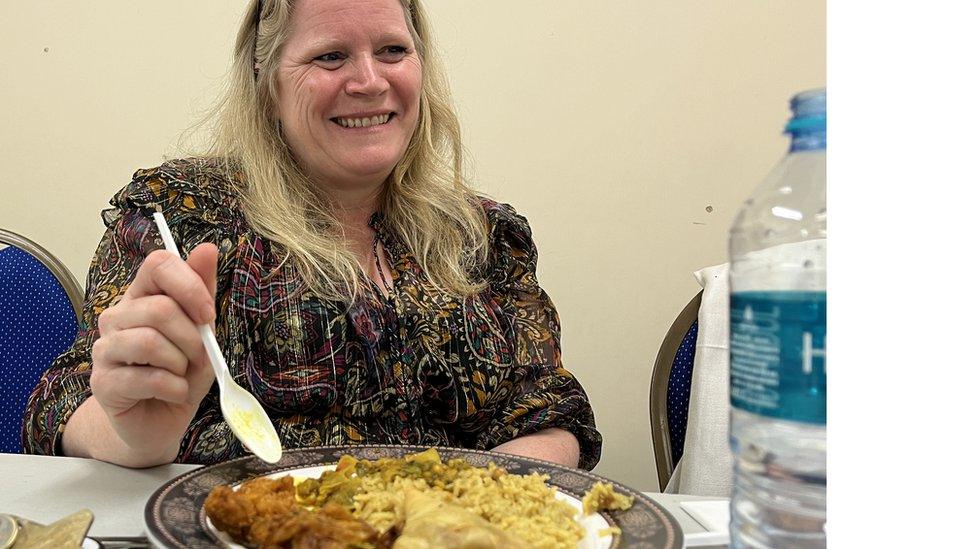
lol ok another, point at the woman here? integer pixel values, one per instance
(363, 293)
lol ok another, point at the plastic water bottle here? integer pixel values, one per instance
(778, 342)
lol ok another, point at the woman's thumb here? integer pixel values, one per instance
(203, 260)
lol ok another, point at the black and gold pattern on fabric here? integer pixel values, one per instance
(420, 367)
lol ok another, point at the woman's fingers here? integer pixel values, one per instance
(141, 345)
(158, 312)
(165, 273)
(150, 345)
(168, 342)
(118, 388)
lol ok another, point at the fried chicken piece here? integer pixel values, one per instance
(235, 511)
(265, 512)
(330, 527)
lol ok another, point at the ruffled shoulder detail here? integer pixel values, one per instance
(183, 189)
(512, 255)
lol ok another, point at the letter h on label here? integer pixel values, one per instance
(809, 352)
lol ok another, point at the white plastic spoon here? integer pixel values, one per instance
(243, 413)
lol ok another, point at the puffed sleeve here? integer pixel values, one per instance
(550, 396)
(191, 211)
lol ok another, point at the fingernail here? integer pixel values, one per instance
(209, 314)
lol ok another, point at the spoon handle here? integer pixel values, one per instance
(209, 339)
(213, 353)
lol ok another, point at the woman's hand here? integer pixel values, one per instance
(149, 367)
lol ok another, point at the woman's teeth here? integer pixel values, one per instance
(363, 122)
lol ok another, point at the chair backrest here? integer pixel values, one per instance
(669, 393)
(40, 307)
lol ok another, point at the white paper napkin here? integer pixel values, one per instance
(713, 515)
(705, 469)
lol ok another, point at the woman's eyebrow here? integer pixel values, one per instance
(394, 37)
(323, 43)
(330, 42)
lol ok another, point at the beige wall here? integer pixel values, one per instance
(626, 131)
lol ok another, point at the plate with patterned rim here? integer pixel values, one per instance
(175, 517)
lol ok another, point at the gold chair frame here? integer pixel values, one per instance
(660, 434)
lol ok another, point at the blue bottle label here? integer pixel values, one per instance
(778, 343)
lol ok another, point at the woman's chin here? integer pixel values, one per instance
(362, 174)
(365, 167)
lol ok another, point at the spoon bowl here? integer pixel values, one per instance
(249, 422)
(243, 413)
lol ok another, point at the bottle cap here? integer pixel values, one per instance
(809, 111)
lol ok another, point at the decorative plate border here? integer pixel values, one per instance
(175, 518)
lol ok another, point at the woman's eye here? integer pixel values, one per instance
(392, 53)
(332, 59)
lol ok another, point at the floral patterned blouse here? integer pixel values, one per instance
(418, 367)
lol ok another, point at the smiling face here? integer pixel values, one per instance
(348, 90)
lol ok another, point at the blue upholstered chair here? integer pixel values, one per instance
(40, 306)
(671, 390)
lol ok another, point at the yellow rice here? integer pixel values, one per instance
(523, 505)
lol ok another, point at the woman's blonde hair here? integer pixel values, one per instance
(425, 203)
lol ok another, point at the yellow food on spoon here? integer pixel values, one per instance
(247, 425)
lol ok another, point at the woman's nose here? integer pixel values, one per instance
(367, 78)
